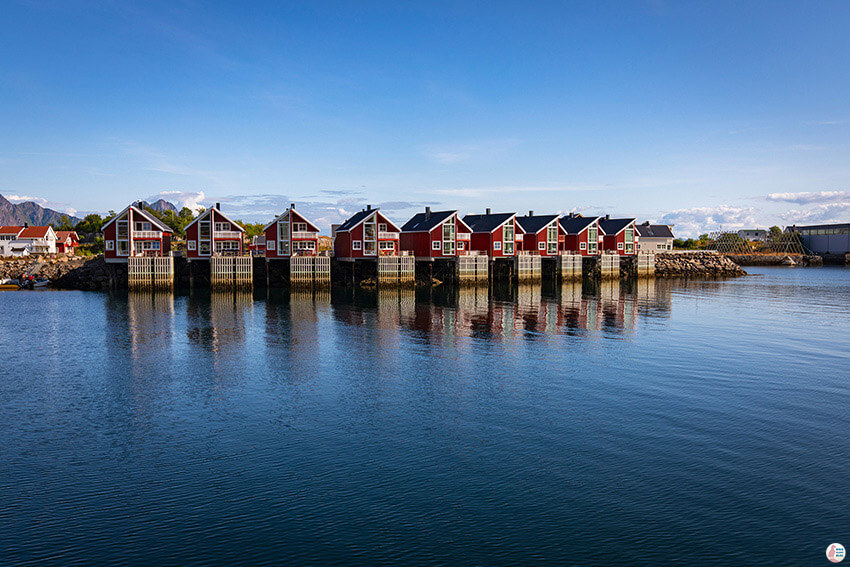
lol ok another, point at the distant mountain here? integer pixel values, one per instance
(30, 213)
(161, 206)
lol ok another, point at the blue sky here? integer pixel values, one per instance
(702, 114)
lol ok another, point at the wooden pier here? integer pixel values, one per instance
(231, 272)
(150, 272)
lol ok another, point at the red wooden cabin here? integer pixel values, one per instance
(212, 233)
(435, 234)
(619, 236)
(291, 234)
(581, 234)
(66, 242)
(541, 234)
(135, 232)
(366, 234)
(494, 234)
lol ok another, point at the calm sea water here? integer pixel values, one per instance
(701, 423)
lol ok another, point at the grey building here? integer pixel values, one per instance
(824, 239)
(654, 237)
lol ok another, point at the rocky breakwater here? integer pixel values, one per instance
(82, 272)
(698, 264)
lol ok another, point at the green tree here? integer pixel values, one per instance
(251, 229)
(91, 224)
(63, 224)
(775, 233)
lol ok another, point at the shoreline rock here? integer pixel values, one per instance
(696, 264)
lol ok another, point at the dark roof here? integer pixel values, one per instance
(425, 222)
(818, 226)
(533, 225)
(654, 231)
(355, 219)
(487, 223)
(614, 226)
(574, 225)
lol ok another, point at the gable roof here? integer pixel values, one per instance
(64, 234)
(292, 210)
(149, 217)
(487, 223)
(35, 232)
(654, 231)
(10, 229)
(575, 224)
(533, 225)
(427, 221)
(209, 212)
(358, 217)
(614, 226)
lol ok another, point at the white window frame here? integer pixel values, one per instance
(191, 245)
(386, 245)
(382, 227)
(497, 245)
(619, 246)
(201, 248)
(357, 245)
(222, 226)
(110, 245)
(541, 245)
(436, 245)
(582, 246)
(270, 245)
(141, 225)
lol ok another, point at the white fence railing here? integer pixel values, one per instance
(147, 234)
(304, 234)
(387, 236)
(235, 234)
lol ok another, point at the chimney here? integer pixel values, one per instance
(427, 213)
(531, 213)
(488, 210)
(218, 206)
(368, 207)
(292, 206)
(607, 217)
(26, 225)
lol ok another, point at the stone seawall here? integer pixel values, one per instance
(77, 272)
(697, 264)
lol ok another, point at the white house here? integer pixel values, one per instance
(654, 237)
(38, 239)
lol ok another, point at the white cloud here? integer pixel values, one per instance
(194, 200)
(26, 199)
(42, 202)
(698, 220)
(819, 214)
(804, 198)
